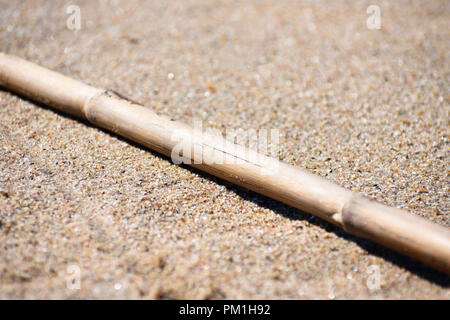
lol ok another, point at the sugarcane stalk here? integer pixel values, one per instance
(397, 229)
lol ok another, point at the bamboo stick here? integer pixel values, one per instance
(356, 214)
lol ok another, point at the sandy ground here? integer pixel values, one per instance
(368, 109)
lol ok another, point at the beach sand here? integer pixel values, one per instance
(365, 108)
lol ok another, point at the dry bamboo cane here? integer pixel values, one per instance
(356, 214)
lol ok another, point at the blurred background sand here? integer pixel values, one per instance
(367, 109)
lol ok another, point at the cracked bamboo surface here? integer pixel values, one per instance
(394, 228)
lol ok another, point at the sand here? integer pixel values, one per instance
(368, 109)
